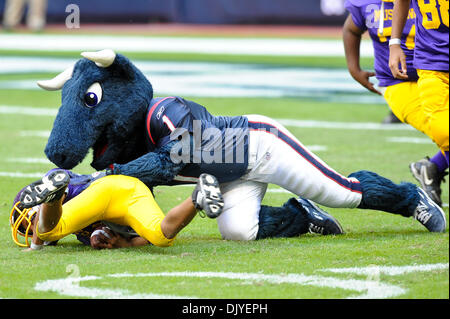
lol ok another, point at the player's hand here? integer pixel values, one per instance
(105, 238)
(397, 58)
(363, 78)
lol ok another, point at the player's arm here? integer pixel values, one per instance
(352, 42)
(397, 58)
(177, 218)
(36, 242)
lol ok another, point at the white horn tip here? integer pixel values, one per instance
(47, 85)
(103, 58)
(57, 82)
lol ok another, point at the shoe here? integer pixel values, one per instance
(207, 196)
(429, 214)
(430, 179)
(49, 188)
(391, 119)
(320, 222)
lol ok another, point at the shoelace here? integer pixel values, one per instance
(198, 199)
(422, 216)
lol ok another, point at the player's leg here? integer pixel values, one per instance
(430, 173)
(37, 11)
(433, 89)
(284, 161)
(244, 218)
(13, 13)
(296, 217)
(404, 101)
(242, 203)
(143, 214)
(86, 208)
(48, 191)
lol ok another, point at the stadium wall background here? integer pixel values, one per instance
(288, 12)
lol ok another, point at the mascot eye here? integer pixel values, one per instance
(93, 95)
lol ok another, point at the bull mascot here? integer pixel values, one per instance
(108, 107)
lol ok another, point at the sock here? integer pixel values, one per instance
(441, 161)
(380, 193)
(290, 220)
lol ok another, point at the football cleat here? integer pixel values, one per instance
(430, 179)
(320, 222)
(207, 196)
(429, 214)
(49, 188)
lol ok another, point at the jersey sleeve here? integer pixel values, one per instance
(171, 116)
(355, 12)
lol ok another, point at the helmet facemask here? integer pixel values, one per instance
(21, 221)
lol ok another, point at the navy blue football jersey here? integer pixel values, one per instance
(216, 145)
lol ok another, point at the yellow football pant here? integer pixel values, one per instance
(119, 199)
(405, 103)
(433, 90)
(423, 105)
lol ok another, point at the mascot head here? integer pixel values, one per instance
(104, 103)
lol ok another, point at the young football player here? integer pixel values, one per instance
(402, 95)
(105, 214)
(431, 59)
(38, 210)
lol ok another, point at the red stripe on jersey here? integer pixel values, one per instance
(149, 116)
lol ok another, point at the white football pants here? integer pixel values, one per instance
(277, 157)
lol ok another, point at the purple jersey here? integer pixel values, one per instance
(366, 15)
(78, 183)
(432, 41)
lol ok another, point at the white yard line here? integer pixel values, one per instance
(211, 46)
(27, 110)
(345, 125)
(387, 270)
(28, 160)
(412, 140)
(370, 288)
(34, 111)
(21, 175)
